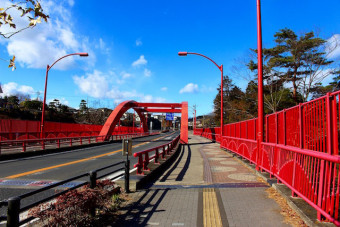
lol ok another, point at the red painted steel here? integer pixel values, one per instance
(12, 145)
(141, 108)
(142, 163)
(220, 67)
(260, 114)
(21, 129)
(184, 123)
(44, 103)
(301, 150)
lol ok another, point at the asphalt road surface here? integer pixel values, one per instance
(23, 175)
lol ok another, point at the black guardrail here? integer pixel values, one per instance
(13, 203)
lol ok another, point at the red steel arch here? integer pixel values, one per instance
(141, 108)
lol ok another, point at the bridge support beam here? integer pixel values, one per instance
(184, 123)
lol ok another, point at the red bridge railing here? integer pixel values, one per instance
(301, 149)
(21, 129)
(160, 152)
(15, 146)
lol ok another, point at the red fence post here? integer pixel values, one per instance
(335, 128)
(146, 161)
(284, 127)
(329, 123)
(140, 164)
(157, 156)
(163, 153)
(58, 143)
(23, 146)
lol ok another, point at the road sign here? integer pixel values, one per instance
(127, 147)
(169, 116)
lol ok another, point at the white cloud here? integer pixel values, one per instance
(45, 43)
(189, 88)
(164, 89)
(103, 47)
(12, 88)
(141, 61)
(125, 75)
(71, 2)
(150, 98)
(147, 72)
(139, 42)
(95, 84)
(333, 46)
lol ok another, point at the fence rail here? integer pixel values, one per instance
(300, 148)
(13, 204)
(24, 145)
(22, 129)
(143, 163)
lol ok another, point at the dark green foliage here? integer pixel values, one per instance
(234, 103)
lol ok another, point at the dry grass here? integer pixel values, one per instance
(290, 216)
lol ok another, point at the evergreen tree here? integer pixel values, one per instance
(303, 59)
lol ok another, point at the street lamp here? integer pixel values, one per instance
(194, 119)
(221, 69)
(260, 116)
(48, 69)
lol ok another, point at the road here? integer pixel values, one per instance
(27, 174)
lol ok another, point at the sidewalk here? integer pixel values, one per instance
(205, 186)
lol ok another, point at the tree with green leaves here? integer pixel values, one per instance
(234, 104)
(83, 106)
(304, 60)
(320, 90)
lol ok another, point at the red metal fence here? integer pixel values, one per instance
(20, 130)
(300, 148)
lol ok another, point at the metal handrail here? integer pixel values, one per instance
(13, 203)
(142, 164)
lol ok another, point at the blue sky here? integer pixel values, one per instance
(133, 47)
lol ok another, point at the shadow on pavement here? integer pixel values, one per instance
(186, 166)
(165, 177)
(210, 142)
(139, 212)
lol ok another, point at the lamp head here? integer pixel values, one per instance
(182, 53)
(83, 54)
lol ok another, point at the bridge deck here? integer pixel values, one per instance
(205, 186)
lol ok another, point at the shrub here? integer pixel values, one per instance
(74, 207)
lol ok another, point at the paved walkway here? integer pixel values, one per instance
(205, 186)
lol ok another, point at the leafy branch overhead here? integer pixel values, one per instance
(31, 9)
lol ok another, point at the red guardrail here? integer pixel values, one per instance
(142, 164)
(11, 129)
(10, 145)
(300, 148)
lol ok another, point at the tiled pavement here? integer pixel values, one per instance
(205, 186)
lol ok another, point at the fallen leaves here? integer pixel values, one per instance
(290, 216)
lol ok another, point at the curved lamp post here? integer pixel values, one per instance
(48, 69)
(221, 69)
